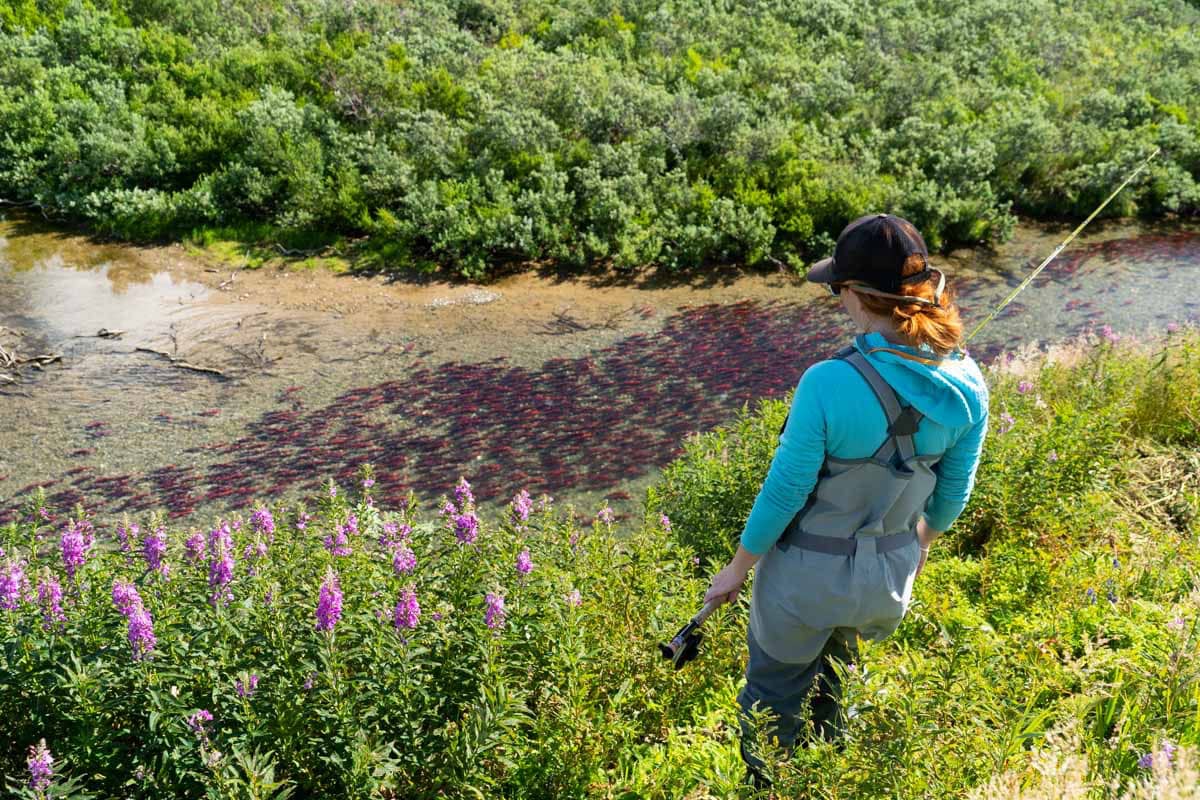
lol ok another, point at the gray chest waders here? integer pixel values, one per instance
(849, 556)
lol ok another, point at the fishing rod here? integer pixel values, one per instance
(685, 645)
(1062, 246)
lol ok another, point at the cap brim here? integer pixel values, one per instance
(821, 272)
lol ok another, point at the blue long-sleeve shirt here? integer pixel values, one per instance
(835, 412)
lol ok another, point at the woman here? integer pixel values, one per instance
(876, 459)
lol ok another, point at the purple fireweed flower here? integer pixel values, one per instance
(447, 510)
(75, 543)
(125, 596)
(408, 610)
(154, 548)
(41, 767)
(574, 598)
(1107, 333)
(1167, 751)
(544, 503)
(127, 535)
(198, 720)
(262, 521)
(220, 569)
(1052, 456)
(220, 574)
(605, 515)
(332, 492)
(665, 521)
(520, 507)
(44, 513)
(13, 584)
(1146, 761)
(329, 602)
(1024, 387)
(495, 614)
(466, 528)
(462, 495)
(337, 543)
(1177, 624)
(256, 550)
(404, 560)
(351, 525)
(1007, 421)
(302, 520)
(368, 483)
(524, 562)
(1172, 327)
(388, 537)
(141, 632)
(248, 688)
(141, 627)
(221, 537)
(50, 593)
(194, 548)
(308, 683)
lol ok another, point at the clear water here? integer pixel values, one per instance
(584, 417)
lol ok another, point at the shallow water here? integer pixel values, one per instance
(581, 389)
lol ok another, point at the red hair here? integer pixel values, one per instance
(939, 327)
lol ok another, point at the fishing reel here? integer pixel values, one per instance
(685, 645)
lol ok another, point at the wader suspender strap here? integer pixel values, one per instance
(902, 424)
(902, 420)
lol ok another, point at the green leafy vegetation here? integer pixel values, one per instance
(1052, 649)
(473, 136)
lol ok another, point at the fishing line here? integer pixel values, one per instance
(1062, 246)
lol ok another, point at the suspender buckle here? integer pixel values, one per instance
(906, 424)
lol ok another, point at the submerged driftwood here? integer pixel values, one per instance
(12, 362)
(181, 363)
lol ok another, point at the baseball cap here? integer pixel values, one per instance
(873, 249)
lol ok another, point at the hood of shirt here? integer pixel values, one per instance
(952, 393)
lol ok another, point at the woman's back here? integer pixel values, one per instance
(835, 414)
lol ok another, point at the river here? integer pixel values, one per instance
(580, 387)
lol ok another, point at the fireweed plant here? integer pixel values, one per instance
(1053, 646)
(421, 655)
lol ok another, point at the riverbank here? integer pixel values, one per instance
(583, 386)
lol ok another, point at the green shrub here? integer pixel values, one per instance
(676, 135)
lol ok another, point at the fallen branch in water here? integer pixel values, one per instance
(103, 333)
(11, 362)
(179, 362)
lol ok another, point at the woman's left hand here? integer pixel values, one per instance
(726, 585)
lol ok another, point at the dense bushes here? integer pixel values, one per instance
(474, 134)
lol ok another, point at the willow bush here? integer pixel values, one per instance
(473, 135)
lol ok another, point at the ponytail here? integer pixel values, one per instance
(939, 327)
